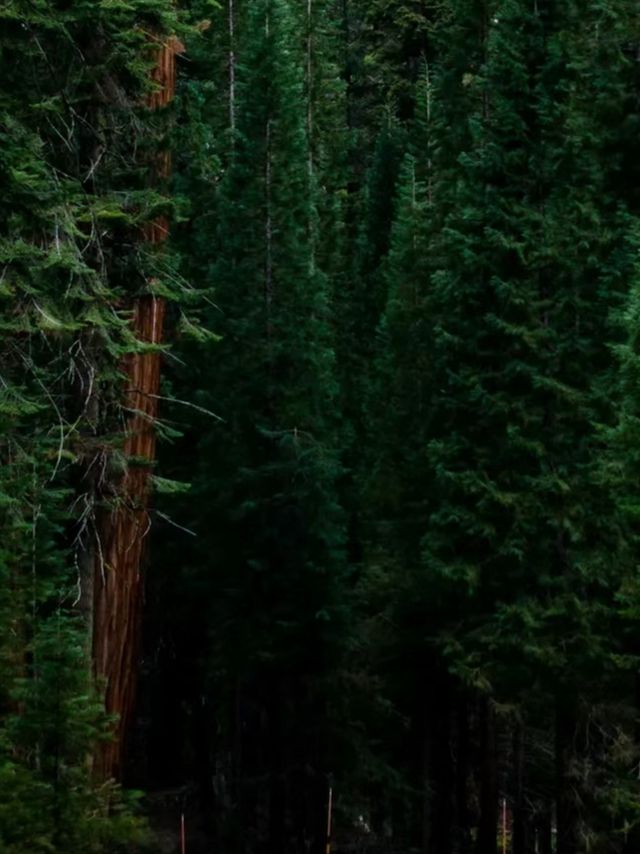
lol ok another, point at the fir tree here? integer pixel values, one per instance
(274, 541)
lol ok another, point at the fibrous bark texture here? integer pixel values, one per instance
(118, 586)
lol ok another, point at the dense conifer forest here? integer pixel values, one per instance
(320, 426)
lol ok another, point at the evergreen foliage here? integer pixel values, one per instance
(273, 550)
(76, 143)
(397, 489)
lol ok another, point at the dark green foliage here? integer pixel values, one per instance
(275, 331)
(498, 536)
(270, 523)
(409, 420)
(75, 139)
(473, 239)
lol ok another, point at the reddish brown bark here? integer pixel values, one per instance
(118, 564)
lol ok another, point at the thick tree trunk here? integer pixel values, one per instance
(117, 582)
(487, 840)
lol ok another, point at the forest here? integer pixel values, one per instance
(319, 427)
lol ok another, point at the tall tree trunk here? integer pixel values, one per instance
(232, 69)
(120, 551)
(487, 840)
(442, 770)
(426, 786)
(463, 818)
(277, 755)
(310, 134)
(566, 806)
(521, 825)
(421, 759)
(544, 833)
(632, 841)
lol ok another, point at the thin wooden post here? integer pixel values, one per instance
(183, 836)
(329, 820)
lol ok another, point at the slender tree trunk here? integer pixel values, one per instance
(309, 75)
(426, 828)
(232, 70)
(238, 794)
(632, 841)
(521, 826)
(310, 135)
(443, 771)
(544, 834)
(347, 62)
(487, 840)
(277, 755)
(566, 807)
(421, 734)
(117, 582)
(268, 227)
(463, 818)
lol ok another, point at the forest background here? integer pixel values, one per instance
(320, 425)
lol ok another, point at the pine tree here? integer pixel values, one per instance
(512, 363)
(520, 298)
(268, 483)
